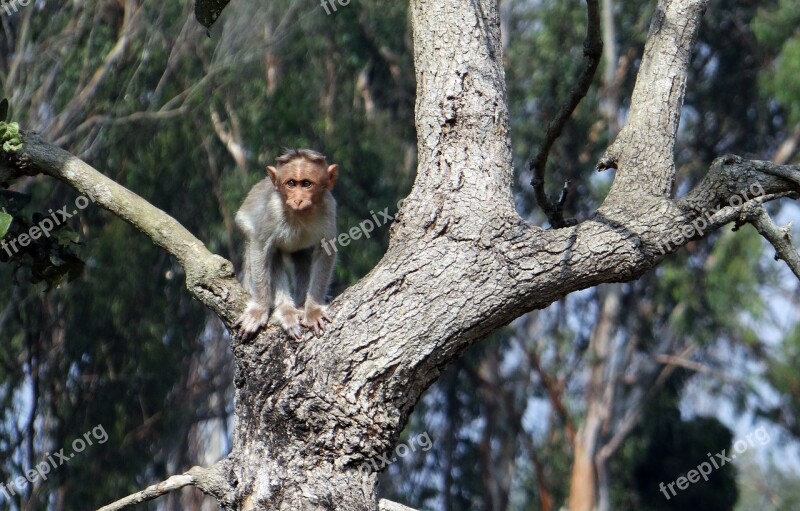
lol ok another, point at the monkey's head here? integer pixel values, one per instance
(302, 177)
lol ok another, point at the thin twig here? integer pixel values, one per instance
(388, 505)
(685, 363)
(592, 52)
(208, 480)
(779, 237)
(151, 492)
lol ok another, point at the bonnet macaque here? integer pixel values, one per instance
(284, 220)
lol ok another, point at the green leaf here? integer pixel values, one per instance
(5, 223)
(9, 135)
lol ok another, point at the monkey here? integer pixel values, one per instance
(285, 219)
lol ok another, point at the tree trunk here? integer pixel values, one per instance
(583, 495)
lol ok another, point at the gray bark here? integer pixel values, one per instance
(312, 413)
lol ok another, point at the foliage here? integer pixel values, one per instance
(39, 244)
(9, 131)
(10, 137)
(776, 28)
(5, 223)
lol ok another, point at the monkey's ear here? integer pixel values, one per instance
(333, 173)
(273, 175)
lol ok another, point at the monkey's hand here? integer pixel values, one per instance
(288, 317)
(252, 319)
(315, 316)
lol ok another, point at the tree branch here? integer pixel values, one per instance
(388, 505)
(685, 363)
(95, 120)
(779, 237)
(553, 388)
(592, 52)
(209, 277)
(76, 105)
(731, 176)
(643, 153)
(210, 481)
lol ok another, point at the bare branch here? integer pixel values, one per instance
(72, 110)
(151, 492)
(685, 363)
(110, 119)
(208, 480)
(779, 237)
(388, 505)
(592, 52)
(231, 138)
(209, 277)
(554, 391)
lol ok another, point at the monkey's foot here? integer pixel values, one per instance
(315, 317)
(252, 319)
(288, 317)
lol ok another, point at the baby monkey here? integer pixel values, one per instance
(284, 220)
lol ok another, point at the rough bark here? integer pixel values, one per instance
(313, 414)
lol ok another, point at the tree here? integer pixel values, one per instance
(460, 262)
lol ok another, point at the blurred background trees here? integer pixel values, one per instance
(618, 388)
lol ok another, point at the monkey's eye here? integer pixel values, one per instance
(306, 183)
(291, 183)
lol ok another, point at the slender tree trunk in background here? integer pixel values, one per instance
(610, 58)
(602, 380)
(788, 147)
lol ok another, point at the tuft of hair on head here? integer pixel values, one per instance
(309, 155)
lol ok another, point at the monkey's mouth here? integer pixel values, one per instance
(302, 208)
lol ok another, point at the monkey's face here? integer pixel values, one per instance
(301, 186)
